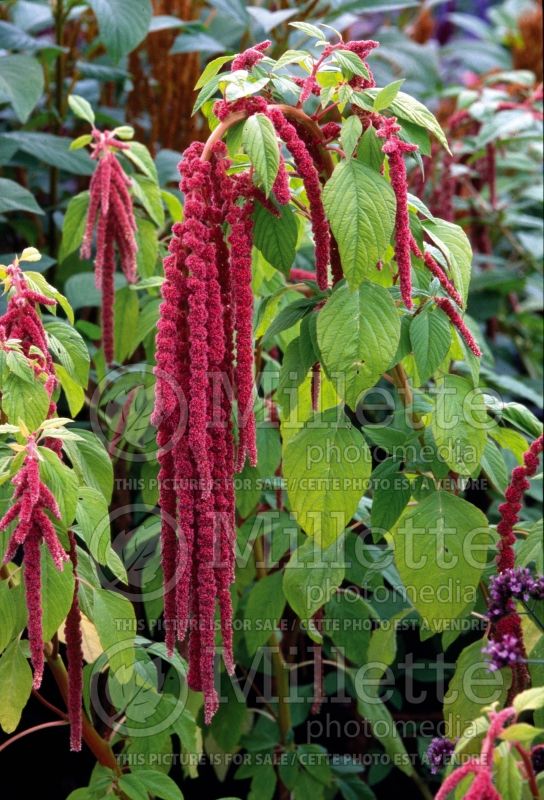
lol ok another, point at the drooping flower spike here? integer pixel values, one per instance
(111, 217)
(507, 646)
(395, 148)
(23, 324)
(480, 766)
(204, 352)
(32, 499)
(457, 320)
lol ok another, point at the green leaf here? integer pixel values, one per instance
(211, 70)
(529, 700)
(370, 150)
(386, 95)
(52, 150)
(506, 774)
(131, 786)
(57, 594)
(123, 24)
(62, 481)
(350, 63)
(460, 424)
(326, 468)
(309, 30)
(15, 686)
(312, 576)
(93, 525)
(16, 198)
(115, 623)
(263, 610)
(75, 396)
(69, 349)
(91, 462)
(21, 83)
(409, 108)
(276, 237)
(73, 226)
(81, 108)
(159, 784)
(261, 145)
(385, 730)
(352, 129)
(127, 314)
(440, 552)
(494, 466)
(360, 206)
(358, 334)
(81, 141)
(141, 158)
(24, 400)
(430, 336)
(455, 245)
(391, 493)
(147, 192)
(472, 688)
(350, 627)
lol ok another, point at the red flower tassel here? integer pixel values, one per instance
(111, 212)
(456, 319)
(394, 148)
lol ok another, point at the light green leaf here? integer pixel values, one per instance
(126, 323)
(25, 400)
(459, 424)
(21, 83)
(455, 245)
(15, 686)
(57, 594)
(211, 70)
(69, 349)
(352, 129)
(91, 462)
(326, 468)
(261, 145)
(159, 784)
(360, 206)
(430, 336)
(529, 700)
(386, 95)
(276, 237)
(440, 552)
(73, 226)
(115, 622)
(358, 335)
(81, 108)
(409, 108)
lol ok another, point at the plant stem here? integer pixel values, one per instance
(55, 724)
(281, 672)
(531, 778)
(99, 747)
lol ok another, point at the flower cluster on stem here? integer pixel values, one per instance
(111, 215)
